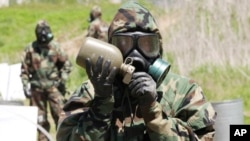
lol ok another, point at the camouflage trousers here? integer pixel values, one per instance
(41, 98)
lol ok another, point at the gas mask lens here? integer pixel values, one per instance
(147, 43)
(124, 43)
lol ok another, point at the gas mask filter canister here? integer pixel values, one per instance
(158, 70)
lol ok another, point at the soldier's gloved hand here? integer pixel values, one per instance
(26, 90)
(101, 76)
(143, 87)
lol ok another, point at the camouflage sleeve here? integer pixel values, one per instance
(63, 64)
(183, 114)
(25, 61)
(92, 31)
(92, 123)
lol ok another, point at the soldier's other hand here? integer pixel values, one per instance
(143, 87)
(101, 76)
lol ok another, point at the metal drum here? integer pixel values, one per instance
(228, 112)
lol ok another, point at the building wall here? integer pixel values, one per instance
(4, 3)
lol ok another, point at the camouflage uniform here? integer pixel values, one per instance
(181, 111)
(97, 28)
(41, 66)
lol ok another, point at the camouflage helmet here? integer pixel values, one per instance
(133, 17)
(43, 32)
(95, 12)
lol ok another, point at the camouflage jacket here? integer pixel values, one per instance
(98, 29)
(44, 66)
(180, 113)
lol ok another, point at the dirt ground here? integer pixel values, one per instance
(72, 46)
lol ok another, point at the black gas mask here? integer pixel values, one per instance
(43, 33)
(143, 51)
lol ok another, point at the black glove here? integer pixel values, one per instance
(101, 76)
(143, 87)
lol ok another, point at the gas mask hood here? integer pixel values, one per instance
(132, 17)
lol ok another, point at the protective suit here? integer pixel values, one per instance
(105, 109)
(44, 66)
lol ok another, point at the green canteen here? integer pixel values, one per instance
(93, 48)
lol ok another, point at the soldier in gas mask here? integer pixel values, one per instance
(149, 108)
(44, 66)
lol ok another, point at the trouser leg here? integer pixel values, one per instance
(55, 100)
(39, 99)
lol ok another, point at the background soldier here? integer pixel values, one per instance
(44, 66)
(97, 28)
